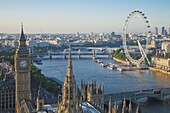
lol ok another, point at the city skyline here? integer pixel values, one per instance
(79, 16)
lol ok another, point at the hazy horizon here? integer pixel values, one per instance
(98, 16)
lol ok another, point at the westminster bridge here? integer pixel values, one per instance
(162, 94)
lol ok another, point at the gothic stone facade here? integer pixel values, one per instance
(93, 94)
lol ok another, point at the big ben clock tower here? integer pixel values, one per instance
(22, 71)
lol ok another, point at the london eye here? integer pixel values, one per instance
(147, 29)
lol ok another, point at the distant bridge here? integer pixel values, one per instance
(72, 53)
(96, 48)
(79, 51)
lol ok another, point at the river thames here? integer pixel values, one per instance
(114, 81)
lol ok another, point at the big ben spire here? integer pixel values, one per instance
(22, 40)
(22, 48)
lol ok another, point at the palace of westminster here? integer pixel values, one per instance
(16, 94)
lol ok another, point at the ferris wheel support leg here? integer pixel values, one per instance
(143, 52)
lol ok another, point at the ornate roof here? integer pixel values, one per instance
(22, 38)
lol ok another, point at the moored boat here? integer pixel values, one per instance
(110, 67)
(37, 59)
(103, 65)
(39, 63)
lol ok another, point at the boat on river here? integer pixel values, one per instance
(120, 69)
(39, 63)
(103, 65)
(37, 59)
(99, 61)
(110, 67)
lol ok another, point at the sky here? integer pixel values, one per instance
(84, 16)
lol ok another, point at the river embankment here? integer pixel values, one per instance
(150, 68)
(120, 61)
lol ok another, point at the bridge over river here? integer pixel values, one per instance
(64, 55)
(77, 51)
(141, 96)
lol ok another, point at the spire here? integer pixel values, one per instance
(124, 105)
(138, 110)
(40, 99)
(22, 38)
(130, 107)
(110, 106)
(22, 47)
(115, 107)
(69, 68)
(40, 93)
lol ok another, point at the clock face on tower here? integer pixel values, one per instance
(23, 63)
